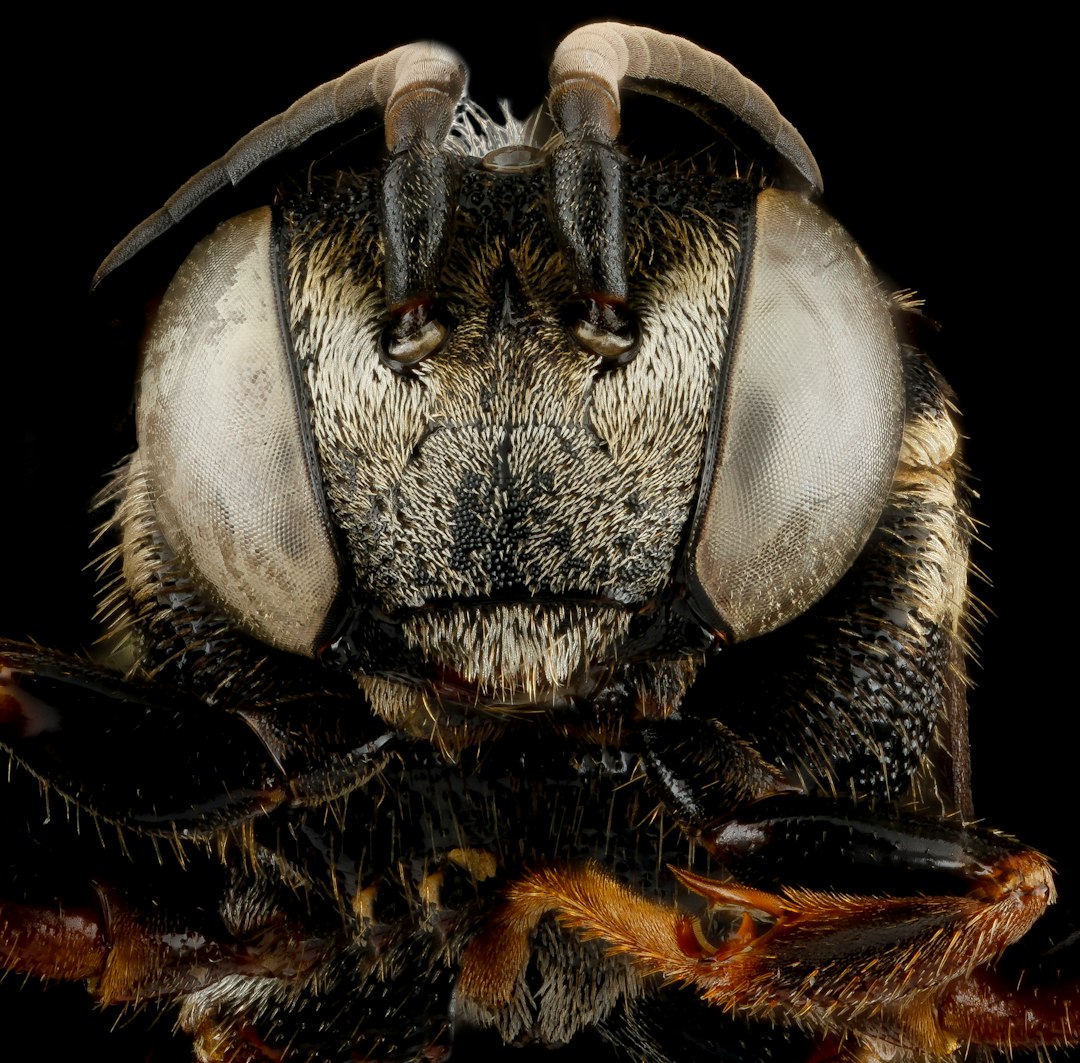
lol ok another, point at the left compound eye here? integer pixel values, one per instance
(224, 443)
(810, 429)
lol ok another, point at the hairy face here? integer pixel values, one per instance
(514, 521)
(509, 504)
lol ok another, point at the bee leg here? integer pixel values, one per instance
(67, 944)
(853, 850)
(163, 763)
(824, 847)
(806, 954)
(129, 951)
(828, 961)
(1030, 998)
(135, 915)
(1018, 1012)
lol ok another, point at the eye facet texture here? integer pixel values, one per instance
(224, 445)
(811, 426)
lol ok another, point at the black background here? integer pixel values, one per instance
(940, 152)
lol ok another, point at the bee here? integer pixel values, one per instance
(451, 730)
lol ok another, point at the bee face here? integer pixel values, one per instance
(518, 514)
(508, 465)
(467, 567)
(510, 508)
(507, 468)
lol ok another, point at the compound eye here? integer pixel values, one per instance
(810, 431)
(224, 441)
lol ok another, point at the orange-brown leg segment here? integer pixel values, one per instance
(833, 963)
(991, 1010)
(68, 945)
(126, 956)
